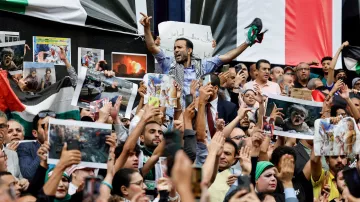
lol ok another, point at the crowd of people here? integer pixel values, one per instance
(217, 127)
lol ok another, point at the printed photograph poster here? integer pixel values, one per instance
(299, 116)
(6, 37)
(12, 56)
(93, 85)
(129, 65)
(161, 90)
(47, 49)
(88, 137)
(335, 139)
(88, 57)
(39, 76)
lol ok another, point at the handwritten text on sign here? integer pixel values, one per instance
(200, 35)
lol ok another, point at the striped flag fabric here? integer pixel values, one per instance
(24, 106)
(119, 16)
(351, 56)
(299, 31)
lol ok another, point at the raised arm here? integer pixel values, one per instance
(229, 56)
(316, 166)
(204, 92)
(150, 44)
(330, 79)
(150, 163)
(241, 114)
(150, 111)
(211, 164)
(344, 93)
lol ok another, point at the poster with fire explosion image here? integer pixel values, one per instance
(161, 90)
(93, 85)
(47, 49)
(129, 65)
(87, 137)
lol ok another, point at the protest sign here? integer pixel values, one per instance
(88, 57)
(161, 90)
(47, 49)
(12, 56)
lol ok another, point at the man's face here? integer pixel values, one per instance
(132, 161)
(288, 80)
(357, 85)
(237, 135)
(231, 79)
(291, 73)
(15, 132)
(277, 72)
(356, 103)
(3, 129)
(341, 112)
(245, 70)
(181, 52)
(86, 112)
(326, 65)
(153, 135)
(227, 158)
(245, 121)
(264, 72)
(340, 75)
(303, 72)
(11, 181)
(297, 117)
(249, 98)
(336, 163)
(253, 72)
(41, 133)
(340, 181)
(3, 159)
(7, 59)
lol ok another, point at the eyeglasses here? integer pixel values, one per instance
(239, 137)
(139, 183)
(44, 114)
(303, 69)
(4, 125)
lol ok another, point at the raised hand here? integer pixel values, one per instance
(179, 125)
(231, 179)
(69, 157)
(189, 112)
(245, 160)
(62, 54)
(182, 170)
(142, 89)
(205, 93)
(145, 20)
(111, 161)
(286, 173)
(219, 123)
(346, 43)
(276, 113)
(257, 137)
(217, 144)
(258, 95)
(114, 111)
(242, 112)
(104, 112)
(194, 86)
(150, 112)
(223, 76)
(344, 92)
(178, 90)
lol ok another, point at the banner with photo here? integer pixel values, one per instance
(93, 85)
(39, 76)
(88, 57)
(12, 56)
(47, 49)
(334, 139)
(88, 137)
(161, 90)
(129, 65)
(299, 116)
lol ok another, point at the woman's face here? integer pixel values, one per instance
(136, 185)
(249, 98)
(267, 181)
(62, 188)
(350, 125)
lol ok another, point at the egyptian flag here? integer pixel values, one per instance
(120, 16)
(299, 31)
(23, 106)
(351, 56)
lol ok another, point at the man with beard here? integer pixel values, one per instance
(297, 115)
(7, 63)
(15, 134)
(302, 75)
(276, 73)
(322, 179)
(184, 66)
(28, 158)
(262, 79)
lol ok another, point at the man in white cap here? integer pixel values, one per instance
(78, 175)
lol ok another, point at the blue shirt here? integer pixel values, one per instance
(208, 65)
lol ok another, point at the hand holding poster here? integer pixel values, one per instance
(93, 85)
(161, 90)
(200, 35)
(334, 137)
(88, 137)
(299, 116)
(47, 49)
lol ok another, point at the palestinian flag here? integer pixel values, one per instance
(120, 16)
(299, 31)
(24, 106)
(351, 56)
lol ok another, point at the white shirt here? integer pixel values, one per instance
(214, 111)
(269, 87)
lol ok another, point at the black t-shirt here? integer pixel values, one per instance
(298, 85)
(303, 188)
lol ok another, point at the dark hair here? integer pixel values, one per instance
(3, 173)
(230, 141)
(47, 69)
(120, 149)
(258, 63)
(7, 51)
(121, 178)
(238, 67)
(281, 151)
(189, 44)
(36, 120)
(231, 194)
(32, 70)
(334, 110)
(326, 58)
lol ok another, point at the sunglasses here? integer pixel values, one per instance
(45, 114)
